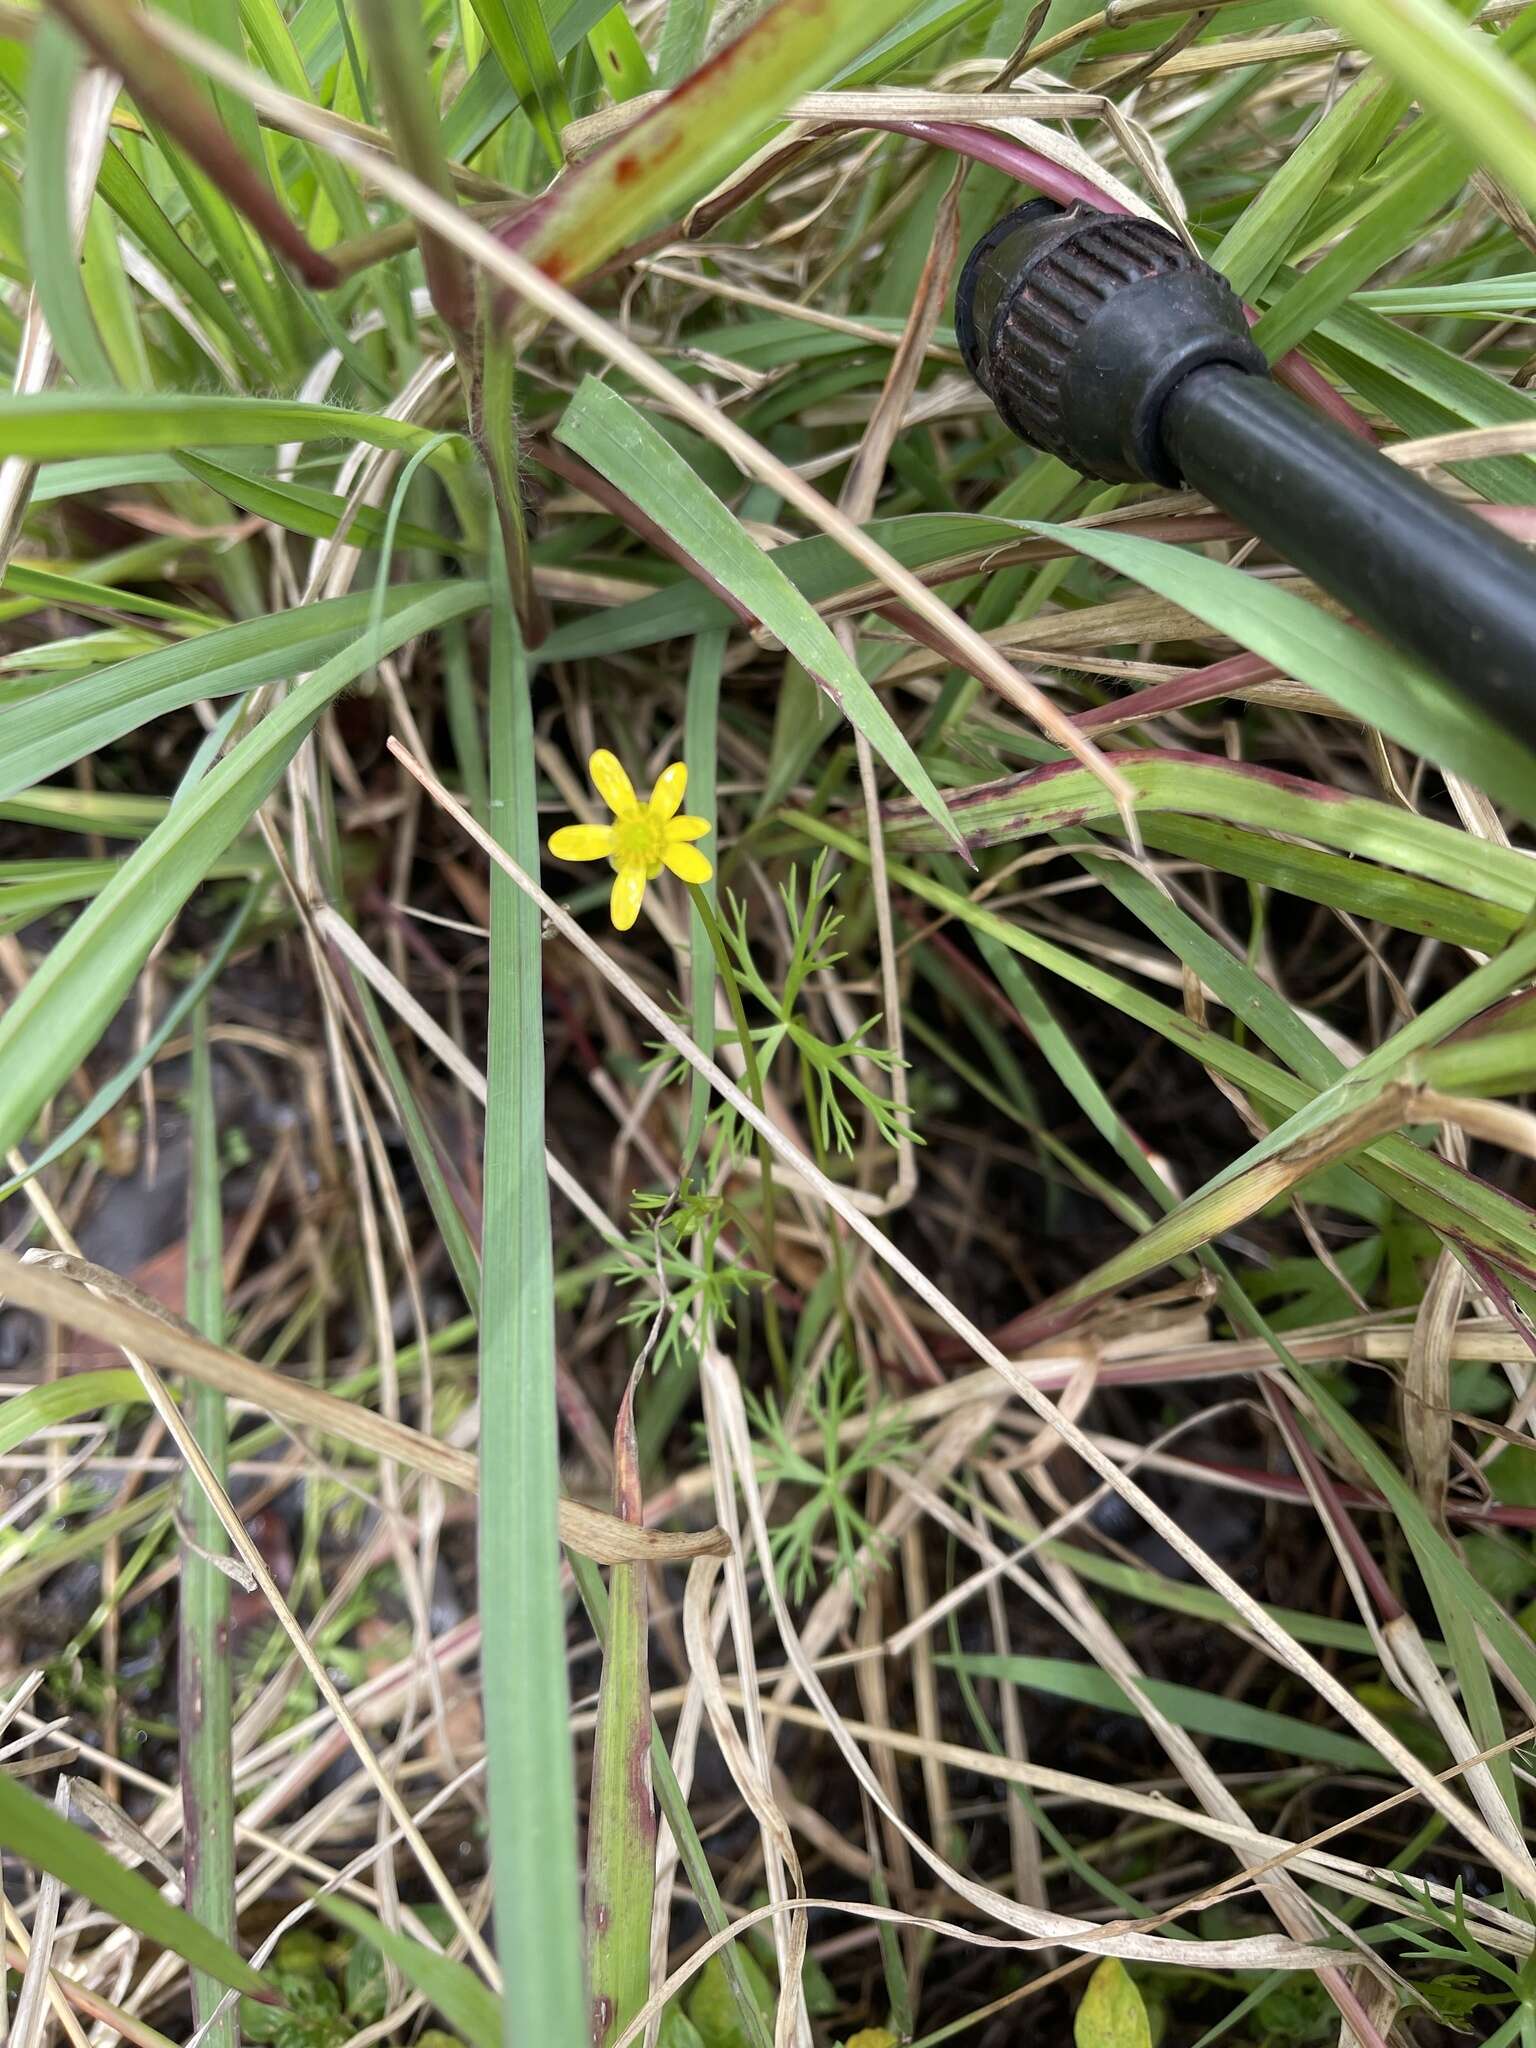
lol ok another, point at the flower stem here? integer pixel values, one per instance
(752, 1075)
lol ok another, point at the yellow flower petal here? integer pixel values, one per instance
(687, 863)
(687, 828)
(610, 781)
(628, 894)
(581, 842)
(668, 793)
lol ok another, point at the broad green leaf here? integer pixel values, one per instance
(530, 1769)
(631, 453)
(621, 62)
(1359, 673)
(31, 1829)
(1111, 2012)
(451, 1987)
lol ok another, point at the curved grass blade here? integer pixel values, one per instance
(45, 426)
(45, 1407)
(451, 1987)
(68, 1003)
(45, 733)
(622, 443)
(1367, 679)
(516, 32)
(56, 276)
(113, 1091)
(31, 1829)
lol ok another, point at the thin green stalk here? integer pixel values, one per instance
(752, 1075)
(207, 1786)
(701, 741)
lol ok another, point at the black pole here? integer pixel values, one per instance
(1101, 338)
(1439, 583)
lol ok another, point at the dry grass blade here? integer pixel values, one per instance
(595, 1534)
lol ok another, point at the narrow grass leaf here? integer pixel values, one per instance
(68, 1003)
(56, 275)
(622, 443)
(32, 1830)
(112, 1091)
(82, 1393)
(1366, 678)
(450, 1987)
(621, 1827)
(516, 31)
(527, 1731)
(44, 733)
(1456, 72)
(203, 1678)
(46, 426)
(1202, 1713)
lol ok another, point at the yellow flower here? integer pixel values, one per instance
(643, 839)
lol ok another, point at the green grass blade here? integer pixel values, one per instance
(112, 1092)
(56, 65)
(52, 424)
(303, 508)
(1456, 72)
(1383, 688)
(622, 443)
(700, 748)
(204, 1689)
(621, 62)
(64, 1009)
(527, 1733)
(45, 733)
(454, 1990)
(45, 1407)
(1202, 1713)
(621, 1828)
(682, 39)
(32, 1830)
(516, 31)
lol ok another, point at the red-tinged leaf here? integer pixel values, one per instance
(708, 125)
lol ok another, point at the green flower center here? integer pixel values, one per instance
(639, 839)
